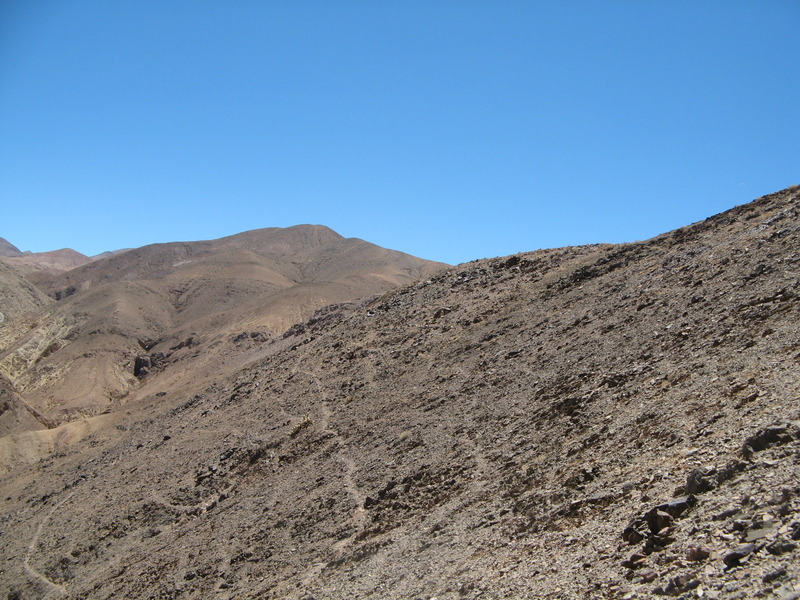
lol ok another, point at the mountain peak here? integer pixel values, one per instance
(8, 249)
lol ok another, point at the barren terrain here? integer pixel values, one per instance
(122, 321)
(606, 421)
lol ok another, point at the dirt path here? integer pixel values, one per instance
(31, 571)
(358, 514)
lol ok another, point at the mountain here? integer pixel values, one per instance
(8, 249)
(108, 253)
(167, 314)
(55, 261)
(605, 421)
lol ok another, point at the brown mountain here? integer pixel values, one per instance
(8, 249)
(47, 263)
(607, 421)
(204, 306)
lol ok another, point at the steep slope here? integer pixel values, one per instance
(18, 298)
(20, 303)
(15, 413)
(8, 249)
(123, 320)
(594, 422)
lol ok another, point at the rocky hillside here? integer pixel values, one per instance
(610, 421)
(18, 297)
(167, 314)
(20, 304)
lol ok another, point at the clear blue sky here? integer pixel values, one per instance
(452, 130)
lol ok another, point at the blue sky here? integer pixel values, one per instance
(452, 130)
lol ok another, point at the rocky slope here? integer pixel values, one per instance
(182, 312)
(611, 421)
(20, 303)
(18, 298)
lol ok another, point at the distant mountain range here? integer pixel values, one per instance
(54, 261)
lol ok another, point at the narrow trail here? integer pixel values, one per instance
(482, 466)
(358, 514)
(31, 571)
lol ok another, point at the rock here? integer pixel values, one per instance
(700, 480)
(687, 582)
(729, 471)
(772, 576)
(635, 561)
(648, 576)
(678, 585)
(678, 506)
(141, 365)
(781, 547)
(732, 559)
(761, 532)
(771, 436)
(658, 520)
(697, 553)
(725, 514)
(632, 535)
(655, 524)
(145, 363)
